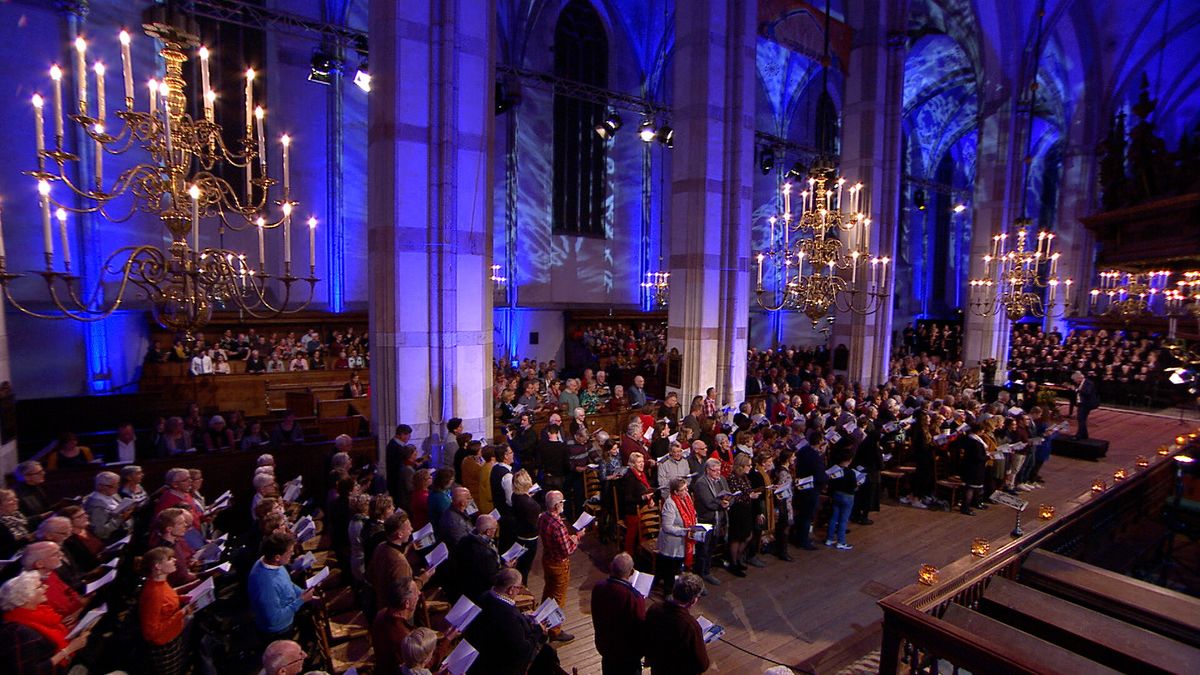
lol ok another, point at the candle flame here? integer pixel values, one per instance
(37, 100)
(55, 73)
(123, 37)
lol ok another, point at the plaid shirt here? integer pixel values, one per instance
(557, 542)
(26, 649)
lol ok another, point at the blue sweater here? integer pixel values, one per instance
(273, 597)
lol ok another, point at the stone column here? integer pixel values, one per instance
(997, 186)
(871, 143)
(711, 180)
(430, 216)
(1074, 241)
(8, 451)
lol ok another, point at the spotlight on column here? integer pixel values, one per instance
(646, 132)
(666, 136)
(798, 170)
(362, 78)
(508, 95)
(323, 67)
(919, 200)
(609, 126)
(766, 159)
(959, 208)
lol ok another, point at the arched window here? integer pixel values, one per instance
(580, 55)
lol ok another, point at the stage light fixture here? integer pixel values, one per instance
(919, 200)
(798, 170)
(666, 136)
(766, 159)
(322, 68)
(362, 78)
(646, 132)
(609, 126)
(508, 95)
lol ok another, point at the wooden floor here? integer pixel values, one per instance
(792, 612)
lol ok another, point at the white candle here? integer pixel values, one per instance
(194, 193)
(312, 243)
(210, 99)
(204, 82)
(760, 270)
(287, 233)
(153, 84)
(165, 91)
(883, 272)
(61, 214)
(47, 233)
(99, 128)
(56, 76)
(126, 70)
(39, 130)
(262, 143)
(262, 249)
(81, 73)
(287, 173)
(100, 109)
(249, 128)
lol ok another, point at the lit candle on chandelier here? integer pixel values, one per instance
(249, 128)
(262, 143)
(99, 68)
(787, 197)
(312, 242)
(760, 271)
(38, 126)
(153, 85)
(883, 271)
(771, 241)
(262, 249)
(854, 266)
(56, 77)
(99, 129)
(194, 193)
(81, 73)
(204, 83)
(47, 233)
(165, 92)
(287, 233)
(61, 215)
(126, 69)
(287, 172)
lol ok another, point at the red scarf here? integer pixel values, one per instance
(687, 512)
(641, 476)
(44, 620)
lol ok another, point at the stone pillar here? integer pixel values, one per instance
(711, 180)
(1074, 241)
(8, 451)
(430, 216)
(871, 144)
(997, 186)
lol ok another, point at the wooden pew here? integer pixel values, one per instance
(1163, 611)
(1040, 655)
(1087, 632)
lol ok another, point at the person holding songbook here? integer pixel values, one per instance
(524, 521)
(676, 534)
(394, 624)
(618, 614)
(508, 641)
(559, 543)
(33, 639)
(676, 645)
(635, 492)
(162, 614)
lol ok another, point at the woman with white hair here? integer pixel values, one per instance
(218, 437)
(32, 636)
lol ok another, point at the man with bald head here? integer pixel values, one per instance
(58, 529)
(45, 558)
(283, 657)
(101, 505)
(455, 523)
(618, 612)
(558, 543)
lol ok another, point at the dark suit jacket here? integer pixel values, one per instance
(705, 498)
(618, 614)
(675, 645)
(507, 640)
(476, 561)
(1088, 398)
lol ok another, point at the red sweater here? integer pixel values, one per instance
(161, 613)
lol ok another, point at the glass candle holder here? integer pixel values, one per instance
(927, 575)
(1098, 486)
(1142, 462)
(980, 547)
(1120, 474)
(1045, 512)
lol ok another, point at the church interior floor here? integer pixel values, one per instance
(798, 613)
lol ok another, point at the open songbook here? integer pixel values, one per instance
(462, 614)
(514, 552)
(461, 659)
(424, 537)
(709, 630)
(437, 556)
(87, 621)
(642, 583)
(549, 614)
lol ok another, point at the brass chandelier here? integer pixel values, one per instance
(1127, 295)
(183, 179)
(804, 255)
(1013, 280)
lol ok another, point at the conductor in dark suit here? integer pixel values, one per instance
(618, 615)
(507, 640)
(1086, 400)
